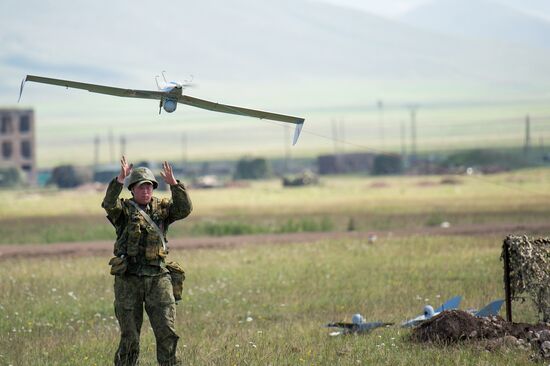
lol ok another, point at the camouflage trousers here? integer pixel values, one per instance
(131, 293)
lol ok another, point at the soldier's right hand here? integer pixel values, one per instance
(125, 170)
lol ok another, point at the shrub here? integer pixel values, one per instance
(11, 177)
(387, 164)
(252, 168)
(69, 176)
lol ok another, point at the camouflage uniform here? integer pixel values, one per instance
(146, 279)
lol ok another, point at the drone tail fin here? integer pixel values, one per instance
(490, 310)
(450, 304)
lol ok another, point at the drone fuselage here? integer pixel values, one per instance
(170, 102)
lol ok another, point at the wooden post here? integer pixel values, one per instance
(507, 291)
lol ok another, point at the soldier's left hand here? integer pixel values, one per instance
(167, 174)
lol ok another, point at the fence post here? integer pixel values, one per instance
(507, 291)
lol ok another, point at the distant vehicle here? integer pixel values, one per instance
(207, 181)
(169, 95)
(304, 179)
(429, 312)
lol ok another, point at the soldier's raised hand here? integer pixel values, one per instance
(125, 169)
(167, 174)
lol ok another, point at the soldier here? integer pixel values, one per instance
(141, 276)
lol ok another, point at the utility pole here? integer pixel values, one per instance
(413, 134)
(122, 145)
(335, 139)
(335, 136)
(342, 135)
(111, 146)
(404, 146)
(286, 141)
(380, 106)
(527, 144)
(184, 151)
(184, 147)
(96, 152)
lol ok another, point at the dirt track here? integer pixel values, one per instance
(105, 247)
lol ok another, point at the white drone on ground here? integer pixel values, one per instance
(169, 95)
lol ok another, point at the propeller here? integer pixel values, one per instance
(183, 85)
(157, 81)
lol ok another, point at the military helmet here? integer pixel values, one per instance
(142, 175)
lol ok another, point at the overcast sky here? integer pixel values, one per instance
(387, 8)
(396, 8)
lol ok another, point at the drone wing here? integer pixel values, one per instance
(159, 95)
(224, 108)
(341, 325)
(413, 322)
(94, 88)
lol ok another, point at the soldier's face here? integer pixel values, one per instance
(143, 193)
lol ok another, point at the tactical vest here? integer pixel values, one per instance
(137, 238)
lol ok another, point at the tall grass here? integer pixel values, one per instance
(258, 305)
(221, 228)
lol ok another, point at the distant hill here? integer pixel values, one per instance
(485, 19)
(299, 57)
(536, 8)
(268, 40)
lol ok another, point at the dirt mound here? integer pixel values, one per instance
(494, 332)
(457, 325)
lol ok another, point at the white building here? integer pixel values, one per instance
(17, 141)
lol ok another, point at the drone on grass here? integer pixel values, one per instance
(170, 94)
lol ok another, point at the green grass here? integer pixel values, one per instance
(373, 203)
(214, 228)
(59, 311)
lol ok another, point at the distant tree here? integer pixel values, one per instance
(11, 177)
(387, 164)
(248, 168)
(68, 176)
(485, 157)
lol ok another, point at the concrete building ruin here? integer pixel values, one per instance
(17, 141)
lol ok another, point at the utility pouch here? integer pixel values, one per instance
(134, 236)
(118, 265)
(177, 276)
(152, 245)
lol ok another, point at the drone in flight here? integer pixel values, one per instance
(170, 94)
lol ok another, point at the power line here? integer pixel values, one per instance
(378, 151)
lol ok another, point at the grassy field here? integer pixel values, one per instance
(266, 305)
(382, 203)
(259, 305)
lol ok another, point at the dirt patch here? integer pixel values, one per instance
(451, 181)
(426, 184)
(379, 185)
(105, 247)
